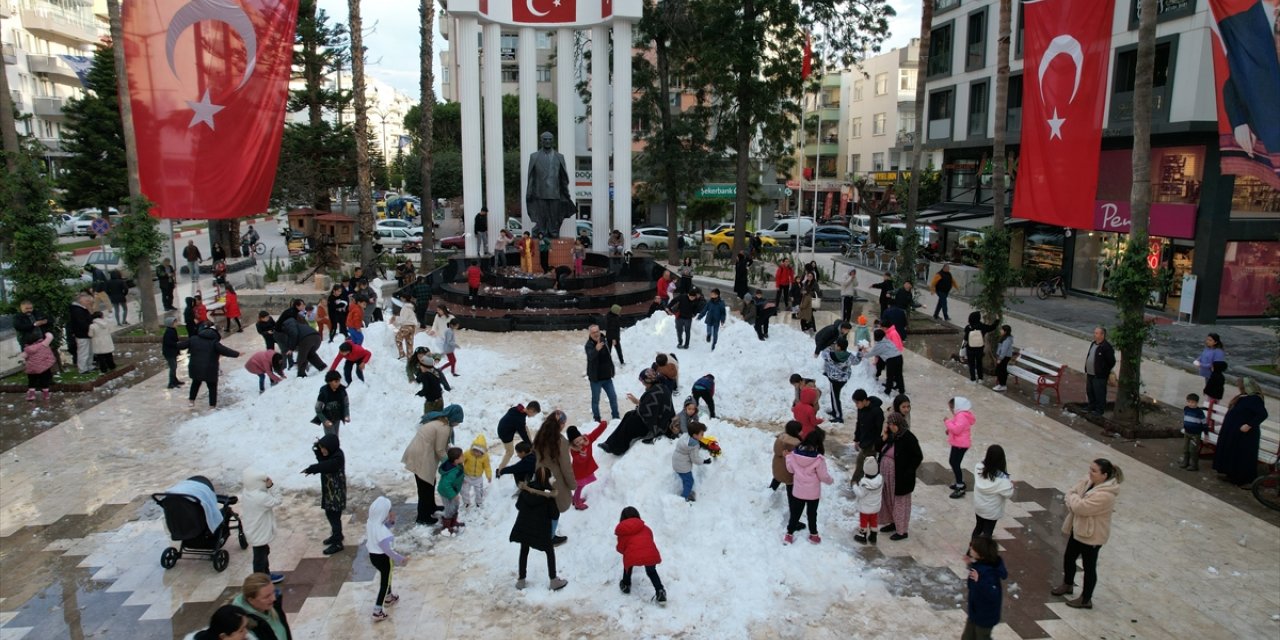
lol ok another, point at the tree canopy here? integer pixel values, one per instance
(95, 174)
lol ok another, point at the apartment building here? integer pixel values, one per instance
(1221, 229)
(43, 42)
(385, 106)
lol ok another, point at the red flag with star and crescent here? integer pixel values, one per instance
(209, 83)
(545, 11)
(1067, 46)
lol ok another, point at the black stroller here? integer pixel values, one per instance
(184, 516)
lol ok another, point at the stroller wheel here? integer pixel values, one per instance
(169, 558)
(244, 542)
(220, 560)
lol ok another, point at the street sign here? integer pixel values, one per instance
(100, 226)
(787, 191)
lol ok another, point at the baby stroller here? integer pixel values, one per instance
(189, 508)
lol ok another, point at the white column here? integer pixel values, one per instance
(599, 134)
(527, 58)
(566, 98)
(468, 80)
(621, 135)
(494, 192)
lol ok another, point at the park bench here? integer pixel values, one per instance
(1268, 447)
(1045, 373)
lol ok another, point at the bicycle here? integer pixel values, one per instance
(1267, 490)
(1052, 286)
(257, 249)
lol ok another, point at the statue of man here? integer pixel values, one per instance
(548, 201)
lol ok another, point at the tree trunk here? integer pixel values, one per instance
(1132, 305)
(673, 210)
(426, 84)
(364, 193)
(743, 70)
(143, 273)
(907, 252)
(1002, 111)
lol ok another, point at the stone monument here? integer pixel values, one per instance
(548, 200)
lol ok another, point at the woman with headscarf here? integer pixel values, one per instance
(552, 451)
(650, 419)
(900, 457)
(424, 454)
(1236, 457)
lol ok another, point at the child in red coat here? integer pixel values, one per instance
(635, 543)
(805, 411)
(584, 459)
(474, 278)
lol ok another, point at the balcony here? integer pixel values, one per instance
(48, 108)
(53, 23)
(6, 8)
(831, 80)
(53, 147)
(18, 102)
(829, 112)
(830, 149)
(905, 139)
(10, 52)
(54, 66)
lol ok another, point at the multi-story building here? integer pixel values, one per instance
(41, 41)
(1222, 229)
(385, 106)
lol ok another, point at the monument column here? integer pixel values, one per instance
(469, 96)
(494, 191)
(621, 135)
(526, 57)
(566, 99)
(600, 135)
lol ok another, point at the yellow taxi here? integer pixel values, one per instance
(722, 241)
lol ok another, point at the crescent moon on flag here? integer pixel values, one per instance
(226, 11)
(529, 4)
(1062, 45)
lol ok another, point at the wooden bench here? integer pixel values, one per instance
(1045, 373)
(1268, 447)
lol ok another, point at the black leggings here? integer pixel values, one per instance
(957, 457)
(616, 343)
(426, 499)
(974, 356)
(810, 509)
(238, 325)
(195, 389)
(382, 562)
(524, 561)
(983, 527)
(836, 407)
(1089, 554)
(705, 396)
(1002, 371)
(261, 564)
(650, 570)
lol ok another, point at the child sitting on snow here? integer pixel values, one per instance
(867, 495)
(584, 459)
(635, 543)
(475, 471)
(687, 453)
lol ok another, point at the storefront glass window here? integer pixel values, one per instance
(1249, 275)
(1253, 198)
(1097, 253)
(1043, 250)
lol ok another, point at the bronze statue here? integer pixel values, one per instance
(547, 200)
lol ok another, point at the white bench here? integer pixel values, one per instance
(1268, 447)
(1043, 372)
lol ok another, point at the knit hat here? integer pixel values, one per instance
(572, 433)
(617, 308)
(862, 320)
(869, 467)
(169, 321)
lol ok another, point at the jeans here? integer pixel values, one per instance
(172, 361)
(166, 294)
(956, 459)
(306, 351)
(846, 310)
(942, 306)
(893, 375)
(713, 334)
(607, 385)
(836, 387)
(482, 243)
(346, 371)
(974, 356)
(122, 312)
(355, 335)
(1089, 555)
(686, 484)
(704, 395)
(683, 326)
(260, 561)
(500, 258)
(193, 267)
(1096, 393)
(1002, 371)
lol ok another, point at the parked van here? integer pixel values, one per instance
(789, 229)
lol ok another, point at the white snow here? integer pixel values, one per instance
(724, 565)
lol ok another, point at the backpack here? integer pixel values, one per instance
(974, 339)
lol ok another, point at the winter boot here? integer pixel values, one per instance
(871, 537)
(31, 395)
(861, 536)
(46, 394)
(625, 585)
(661, 597)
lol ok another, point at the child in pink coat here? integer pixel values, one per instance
(958, 427)
(809, 469)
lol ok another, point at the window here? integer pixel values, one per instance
(882, 83)
(907, 121)
(877, 161)
(1127, 68)
(940, 51)
(1121, 110)
(978, 109)
(906, 80)
(544, 74)
(855, 128)
(1013, 115)
(511, 74)
(943, 5)
(857, 90)
(444, 75)
(544, 40)
(510, 41)
(855, 163)
(976, 41)
(941, 108)
(878, 124)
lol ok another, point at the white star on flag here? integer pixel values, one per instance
(203, 111)
(556, 3)
(1055, 125)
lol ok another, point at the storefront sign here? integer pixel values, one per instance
(1168, 220)
(1155, 247)
(889, 178)
(722, 191)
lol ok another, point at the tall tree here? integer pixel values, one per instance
(1132, 279)
(364, 190)
(996, 273)
(26, 239)
(907, 255)
(96, 173)
(426, 116)
(313, 157)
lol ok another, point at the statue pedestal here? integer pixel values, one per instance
(561, 253)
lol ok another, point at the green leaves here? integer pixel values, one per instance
(96, 174)
(31, 245)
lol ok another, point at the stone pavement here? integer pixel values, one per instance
(79, 541)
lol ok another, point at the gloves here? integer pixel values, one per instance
(707, 461)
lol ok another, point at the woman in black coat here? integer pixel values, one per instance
(650, 419)
(205, 349)
(118, 293)
(740, 267)
(536, 507)
(900, 458)
(1236, 456)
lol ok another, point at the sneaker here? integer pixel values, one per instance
(788, 539)
(521, 584)
(277, 578)
(331, 540)
(379, 616)
(625, 586)
(815, 538)
(1079, 603)
(558, 584)
(390, 599)
(333, 548)
(957, 494)
(999, 387)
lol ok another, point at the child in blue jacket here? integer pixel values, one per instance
(704, 389)
(714, 314)
(986, 570)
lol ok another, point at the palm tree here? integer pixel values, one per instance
(906, 263)
(1002, 113)
(426, 83)
(364, 178)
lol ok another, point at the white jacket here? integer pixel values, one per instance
(990, 496)
(100, 336)
(407, 317)
(868, 493)
(256, 508)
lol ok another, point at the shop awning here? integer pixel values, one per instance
(973, 222)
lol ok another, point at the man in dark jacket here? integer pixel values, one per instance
(170, 350)
(1097, 370)
(600, 372)
(168, 281)
(613, 330)
(886, 291)
(332, 467)
(943, 283)
(297, 337)
(421, 291)
(79, 317)
(866, 436)
(206, 350)
(514, 423)
(686, 307)
(905, 297)
(827, 336)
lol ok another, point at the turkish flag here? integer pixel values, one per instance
(1067, 46)
(209, 81)
(544, 11)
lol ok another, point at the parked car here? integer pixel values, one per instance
(516, 227)
(716, 229)
(63, 224)
(397, 240)
(83, 219)
(788, 229)
(108, 260)
(656, 238)
(396, 223)
(722, 241)
(828, 237)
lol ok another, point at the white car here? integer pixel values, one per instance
(656, 238)
(397, 240)
(83, 220)
(63, 224)
(789, 229)
(395, 223)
